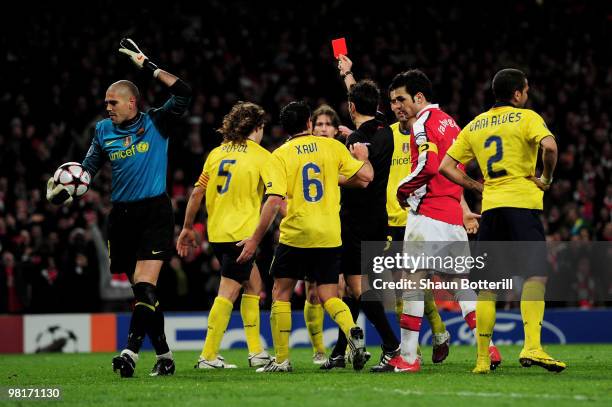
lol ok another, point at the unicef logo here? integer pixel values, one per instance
(508, 331)
(142, 147)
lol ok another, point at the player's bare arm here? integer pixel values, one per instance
(187, 238)
(268, 213)
(344, 66)
(365, 175)
(549, 159)
(449, 169)
(470, 219)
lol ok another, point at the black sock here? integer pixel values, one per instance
(143, 313)
(156, 332)
(375, 312)
(340, 347)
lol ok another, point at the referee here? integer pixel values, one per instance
(364, 217)
(141, 222)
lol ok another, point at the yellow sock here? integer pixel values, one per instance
(341, 314)
(281, 311)
(313, 316)
(249, 310)
(218, 318)
(532, 310)
(273, 328)
(485, 321)
(432, 314)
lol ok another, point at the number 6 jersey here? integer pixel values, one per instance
(233, 177)
(305, 170)
(505, 142)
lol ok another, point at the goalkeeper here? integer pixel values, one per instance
(141, 222)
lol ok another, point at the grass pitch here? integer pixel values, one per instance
(87, 379)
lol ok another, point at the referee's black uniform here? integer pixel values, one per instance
(363, 211)
(363, 216)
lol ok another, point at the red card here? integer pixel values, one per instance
(339, 46)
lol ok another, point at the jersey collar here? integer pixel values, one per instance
(130, 123)
(428, 107)
(502, 104)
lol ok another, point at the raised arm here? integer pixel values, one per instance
(181, 92)
(344, 66)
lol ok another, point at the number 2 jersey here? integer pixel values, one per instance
(305, 170)
(233, 177)
(505, 142)
(426, 191)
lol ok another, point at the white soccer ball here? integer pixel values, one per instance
(74, 177)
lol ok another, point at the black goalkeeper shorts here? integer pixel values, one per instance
(140, 230)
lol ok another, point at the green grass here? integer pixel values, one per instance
(87, 379)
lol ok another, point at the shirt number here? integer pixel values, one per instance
(308, 182)
(499, 154)
(224, 172)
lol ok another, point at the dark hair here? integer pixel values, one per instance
(240, 122)
(327, 111)
(506, 82)
(415, 81)
(365, 95)
(294, 117)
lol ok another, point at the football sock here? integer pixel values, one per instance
(167, 355)
(143, 314)
(341, 343)
(131, 354)
(485, 321)
(432, 314)
(467, 301)
(341, 314)
(249, 310)
(156, 332)
(218, 318)
(373, 308)
(532, 311)
(313, 316)
(281, 310)
(410, 323)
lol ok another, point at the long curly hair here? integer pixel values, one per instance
(240, 122)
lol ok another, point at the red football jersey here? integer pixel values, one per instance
(426, 191)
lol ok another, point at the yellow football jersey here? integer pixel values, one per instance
(305, 170)
(233, 177)
(400, 168)
(505, 142)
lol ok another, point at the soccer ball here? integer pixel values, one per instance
(74, 177)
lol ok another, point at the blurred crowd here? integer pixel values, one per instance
(57, 65)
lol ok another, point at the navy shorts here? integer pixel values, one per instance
(227, 253)
(319, 265)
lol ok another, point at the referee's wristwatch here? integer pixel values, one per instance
(344, 75)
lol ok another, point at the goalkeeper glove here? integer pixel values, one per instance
(129, 48)
(58, 194)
